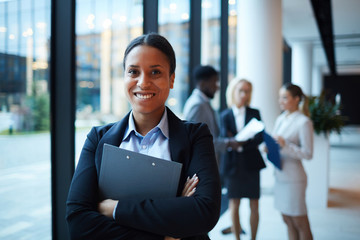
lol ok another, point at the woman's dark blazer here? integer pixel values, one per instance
(181, 217)
(251, 153)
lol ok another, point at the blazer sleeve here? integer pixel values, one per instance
(305, 149)
(200, 113)
(84, 220)
(225, 131)
(181, 217)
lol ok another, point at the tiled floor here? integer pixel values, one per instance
(25, 213)
(340, 220)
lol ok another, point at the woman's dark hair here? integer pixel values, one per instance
(153, 40)
(295, 91)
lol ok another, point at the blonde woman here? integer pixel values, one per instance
(294, 132)
(241, 167)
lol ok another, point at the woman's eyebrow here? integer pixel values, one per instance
(157, 65)
(135, 66)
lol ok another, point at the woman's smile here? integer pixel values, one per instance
(144, 95)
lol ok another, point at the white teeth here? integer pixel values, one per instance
(144, 96)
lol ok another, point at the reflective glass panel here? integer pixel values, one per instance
(173, 20)
(210, 39)
(232, 39)
(210, 33)
(25, 202)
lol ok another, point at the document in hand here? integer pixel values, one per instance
(128, 174)
(273, 150)
(250, 130)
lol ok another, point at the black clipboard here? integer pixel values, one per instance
(128, 174)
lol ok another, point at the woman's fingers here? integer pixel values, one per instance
(190, 186)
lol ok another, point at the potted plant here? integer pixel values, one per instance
(326, 119)
(325, 115)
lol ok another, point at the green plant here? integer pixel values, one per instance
(38, 115)
(325, 115)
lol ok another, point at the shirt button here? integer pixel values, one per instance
(143, 146)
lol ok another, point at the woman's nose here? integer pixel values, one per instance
(143, 81)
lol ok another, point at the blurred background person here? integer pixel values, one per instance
(241, 167)
(197, 107)
(294, 133)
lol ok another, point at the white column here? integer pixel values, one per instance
(259, 53)
(317, 170)
(105, 72)
(301, 65)
(317, 81)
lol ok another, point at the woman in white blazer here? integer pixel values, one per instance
(294, 132)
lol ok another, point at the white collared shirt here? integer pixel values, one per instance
(239, 115)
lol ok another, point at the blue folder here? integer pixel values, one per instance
(273, 150)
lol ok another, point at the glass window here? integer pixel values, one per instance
(210, 33)
(25, 203)
(103, 30)
(173, 20)
(232, 39)
(210, 39)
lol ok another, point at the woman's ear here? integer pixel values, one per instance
(172, 80)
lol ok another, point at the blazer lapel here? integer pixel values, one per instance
(248, 115)
(176, 141)
(232, 124)
(113, 136)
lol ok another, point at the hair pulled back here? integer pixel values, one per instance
(153, 40)
(295, 91)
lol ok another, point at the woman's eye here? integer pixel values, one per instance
(155, 72)
(133, 72)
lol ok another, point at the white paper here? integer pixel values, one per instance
(250, 130)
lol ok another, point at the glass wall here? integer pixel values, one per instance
(210, 33)
(232, 38)
(173, 20)
(210, 39)
(103, 30)
(25, 205)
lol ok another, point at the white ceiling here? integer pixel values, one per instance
(299, 25)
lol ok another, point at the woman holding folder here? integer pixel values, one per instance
(294, 133)
(241, 167)
(150, 128)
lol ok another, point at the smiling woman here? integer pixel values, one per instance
(148, 81)
(152, 129)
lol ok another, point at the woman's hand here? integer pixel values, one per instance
(190, 186)
(265, 149)
(170, 238)
(280, 140)
(107, 206)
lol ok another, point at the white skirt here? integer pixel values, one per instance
(289, 198)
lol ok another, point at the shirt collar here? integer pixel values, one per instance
(202, 95)
(238, 111)
(289, 115)
(163, 126)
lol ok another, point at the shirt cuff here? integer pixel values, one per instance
(115, 210)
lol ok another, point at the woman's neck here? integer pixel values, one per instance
(145, 122)
(290, 111)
